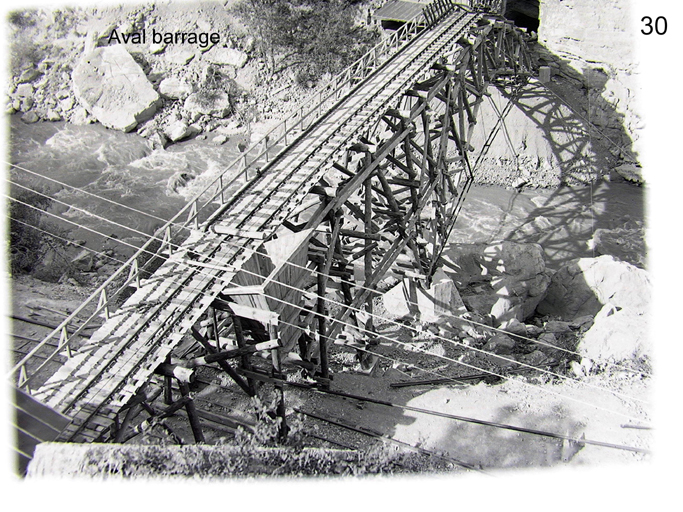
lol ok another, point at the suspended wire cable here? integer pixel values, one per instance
(399, 324)
(91, 194)
(413, 348)
(75, 223)
(82, 210)
(57, 330)
(124, 227)
(479, 324)
(190, 263)
(494, 424)
(418, 349)
(445, 339)
(446, 415)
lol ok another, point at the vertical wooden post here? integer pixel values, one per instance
(168, 391)
(214, 321)
(191, 413)
(241, 343)
(413, 299)
(367, 259)
(113, 431)
(322, 324)
(130, 414)
(220, 187)
(279, 388)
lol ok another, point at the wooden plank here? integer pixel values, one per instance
(35, 409)
(35, 426)
(260, 315)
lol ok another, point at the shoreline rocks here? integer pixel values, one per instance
(505, 280)
(616, 294)
(585, 285)
(114, 89)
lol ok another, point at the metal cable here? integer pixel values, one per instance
(473, 322)
(227, 269)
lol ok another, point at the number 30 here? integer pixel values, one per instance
(659, 26)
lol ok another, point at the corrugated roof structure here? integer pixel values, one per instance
(399, 10)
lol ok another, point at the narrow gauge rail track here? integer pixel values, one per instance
(105, 372)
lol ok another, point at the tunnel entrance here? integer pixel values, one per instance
(525, 13)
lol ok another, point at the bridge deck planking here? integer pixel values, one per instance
(141, 372)
(106, 338)
(128, 369)
(103, 339)
(125, 362)
(356, 110)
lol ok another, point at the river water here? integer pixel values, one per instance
(122, 168)
(109, 164)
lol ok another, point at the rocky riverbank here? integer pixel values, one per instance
(107, 65)
(72, 65)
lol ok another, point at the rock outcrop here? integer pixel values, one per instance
(113, 88)
(527, 149)
(616, 334)
(179, 130)
(227, 56)
(626, 243)
(506, 280)
(616, 293)
(441, 298)
(175, 88)
(211, 103)
(584, 286)
(595, 40)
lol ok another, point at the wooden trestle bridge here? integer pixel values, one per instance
(366, 179)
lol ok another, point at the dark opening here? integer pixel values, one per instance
(392, 24)
(524, 13)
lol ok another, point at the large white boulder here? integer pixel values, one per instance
(113, 88)
(226, 56)
(175, 88)
(441, 298)
(616, 335)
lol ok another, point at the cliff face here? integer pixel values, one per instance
(541, 143)
(593, 41)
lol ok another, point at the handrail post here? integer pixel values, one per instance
(167, 240)
(22, 377)
(220, 187)
(104, 303)
(134, 273)
(64, 341)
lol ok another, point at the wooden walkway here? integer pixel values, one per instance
(102, 375)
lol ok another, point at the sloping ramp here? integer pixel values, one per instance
(33, 423)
